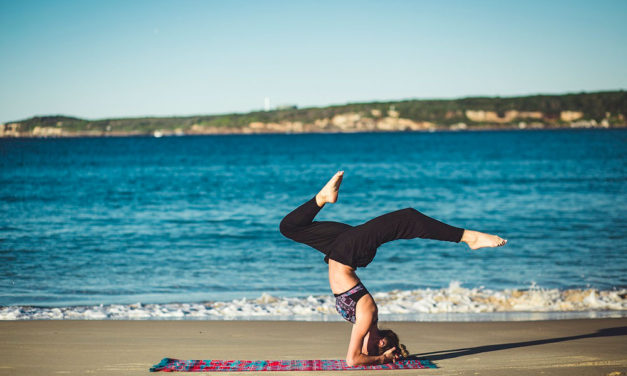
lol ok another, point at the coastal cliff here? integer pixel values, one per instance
(584, 110)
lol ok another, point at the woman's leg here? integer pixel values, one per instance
(409, 224)
(299, 225)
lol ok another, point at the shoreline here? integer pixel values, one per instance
(511, 316)
(409, 318)
(602, 109)
(564, 347)
(445, 304)
(249, 132)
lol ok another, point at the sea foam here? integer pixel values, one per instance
(422, 304)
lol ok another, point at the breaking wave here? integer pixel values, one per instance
(421, 304)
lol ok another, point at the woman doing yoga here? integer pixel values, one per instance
(347, 248)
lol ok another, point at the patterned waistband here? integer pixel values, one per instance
(353, 290)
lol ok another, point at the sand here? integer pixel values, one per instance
(565, 347)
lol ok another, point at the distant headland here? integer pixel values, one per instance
(606, 109)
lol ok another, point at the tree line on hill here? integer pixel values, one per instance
(609, 105)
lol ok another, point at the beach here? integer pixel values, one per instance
(558, 347)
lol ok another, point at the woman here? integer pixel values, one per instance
(346, 248)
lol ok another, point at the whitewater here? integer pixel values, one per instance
(393, 305)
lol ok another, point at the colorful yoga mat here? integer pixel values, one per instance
(177, 365)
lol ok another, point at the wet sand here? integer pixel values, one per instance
(564, 347)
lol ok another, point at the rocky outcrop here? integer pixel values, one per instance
(10, 130)
(348, 122)
(47, 132)
(570, 115)
(506, 117)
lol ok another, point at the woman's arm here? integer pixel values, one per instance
(366, 311)
(356, 358)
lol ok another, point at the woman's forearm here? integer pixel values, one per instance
(364, 360)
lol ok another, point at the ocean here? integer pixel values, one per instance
(187, 227)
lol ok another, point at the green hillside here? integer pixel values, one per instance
(610, 106)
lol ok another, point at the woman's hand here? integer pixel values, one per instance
(389, 356)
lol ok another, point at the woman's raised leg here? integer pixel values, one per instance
(299, 225)
(410, 223)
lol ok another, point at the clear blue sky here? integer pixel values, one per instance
(97, 59)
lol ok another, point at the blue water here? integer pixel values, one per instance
(189, 219)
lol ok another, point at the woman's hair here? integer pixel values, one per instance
(392, 341)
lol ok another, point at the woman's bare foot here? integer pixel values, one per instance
(476, 239)
(328, 193)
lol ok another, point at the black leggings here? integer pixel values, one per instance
(356, 246)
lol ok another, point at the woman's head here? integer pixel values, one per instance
(389, 339)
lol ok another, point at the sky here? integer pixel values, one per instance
(108, 59)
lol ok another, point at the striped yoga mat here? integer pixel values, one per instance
(177, 365)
